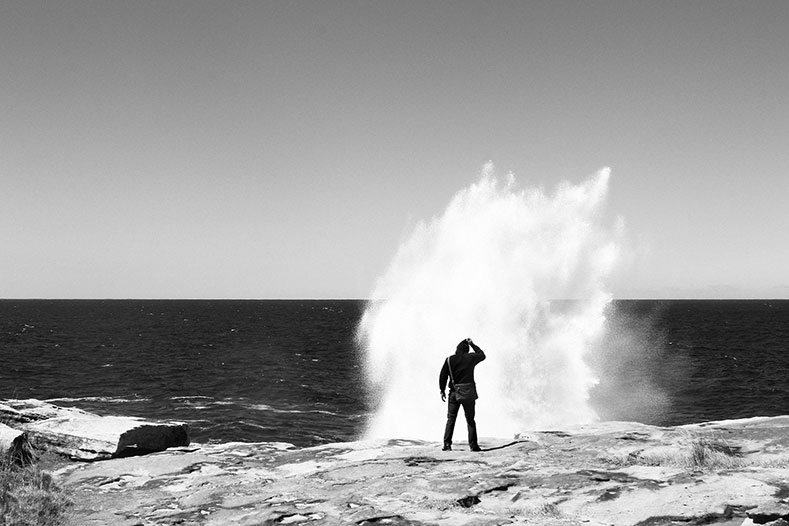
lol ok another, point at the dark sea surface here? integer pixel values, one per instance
(291, 371)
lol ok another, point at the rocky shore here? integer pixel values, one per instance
(80, 435)
(725, 473)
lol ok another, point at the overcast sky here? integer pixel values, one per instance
(187, 149)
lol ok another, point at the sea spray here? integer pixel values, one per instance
(493, 267)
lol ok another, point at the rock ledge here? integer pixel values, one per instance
(85, 436)
(723, 473)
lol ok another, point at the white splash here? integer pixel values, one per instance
(487, 269)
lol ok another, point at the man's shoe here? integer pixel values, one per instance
(446, 448)
(476, 448)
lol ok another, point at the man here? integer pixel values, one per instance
(459, 369)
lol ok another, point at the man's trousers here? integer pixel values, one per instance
(453, 407)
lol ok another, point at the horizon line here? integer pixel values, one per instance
(368, 299)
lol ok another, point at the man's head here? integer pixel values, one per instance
(462, 347)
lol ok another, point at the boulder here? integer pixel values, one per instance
(14, 445)
(81, 435)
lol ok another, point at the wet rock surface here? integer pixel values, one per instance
(612, 474)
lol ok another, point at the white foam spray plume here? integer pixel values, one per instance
(488, 268)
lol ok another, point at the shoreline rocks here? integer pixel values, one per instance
(611, 473)
(14, 445)
(80, 435)
(616, 473)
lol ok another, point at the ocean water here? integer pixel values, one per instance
(699, 360)
(293, 371)
(234, 370)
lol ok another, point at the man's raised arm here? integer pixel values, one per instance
(480, 354)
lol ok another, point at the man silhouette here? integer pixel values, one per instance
(459, 369)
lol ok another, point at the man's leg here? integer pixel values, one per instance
(469, 410)
(452, 413)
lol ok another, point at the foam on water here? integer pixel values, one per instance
(102, 399)
(488, 268)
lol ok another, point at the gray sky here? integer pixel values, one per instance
(283, 149)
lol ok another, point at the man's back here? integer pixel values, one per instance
(463, 366)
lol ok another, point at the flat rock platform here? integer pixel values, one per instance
(725, 473)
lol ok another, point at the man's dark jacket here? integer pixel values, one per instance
(462, 368)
